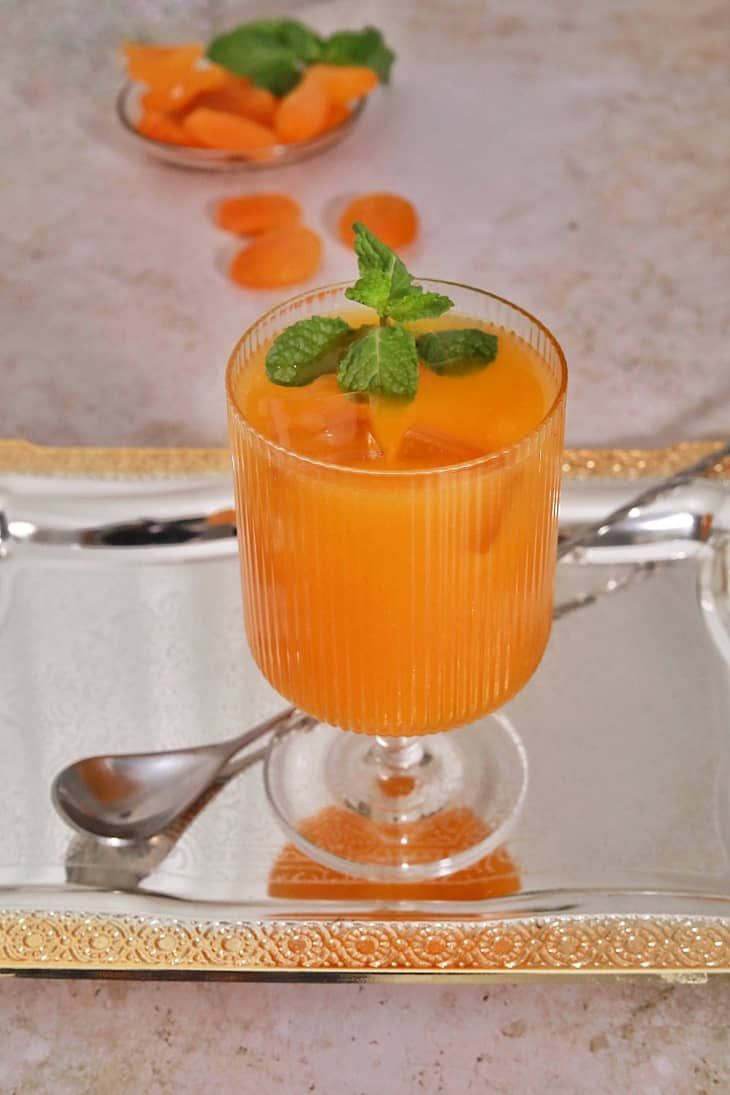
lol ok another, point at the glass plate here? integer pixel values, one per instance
(214, 159)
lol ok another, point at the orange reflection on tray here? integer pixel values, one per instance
(346, 833)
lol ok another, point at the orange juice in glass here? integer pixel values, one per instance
(397, 561)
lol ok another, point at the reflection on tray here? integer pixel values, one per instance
(341, 831)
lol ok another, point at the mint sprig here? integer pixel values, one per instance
(360, 47)
(271, 52)
(386, 286)
(274, 52)
(379, 360)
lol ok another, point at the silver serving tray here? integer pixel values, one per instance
(623, 848)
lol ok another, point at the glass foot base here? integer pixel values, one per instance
(397, 809)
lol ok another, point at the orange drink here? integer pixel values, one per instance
(397, 559)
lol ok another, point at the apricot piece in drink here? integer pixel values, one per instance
(220, 129)
(252, 214)
(392, 218)
(498, 491)
(321, 422)
(426, 447)
(282, 257)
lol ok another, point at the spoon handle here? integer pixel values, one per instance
(289, 715)
(598, 529)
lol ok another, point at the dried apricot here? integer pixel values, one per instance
(338, 112)
(283, 257)
(303, 112)
(238, 96)
(260, 105)
(220, 129)
(183, 88)
(156, 64)
(342, 83)
(390, 217)
(252, 214)
(229, 96)
(161, 127)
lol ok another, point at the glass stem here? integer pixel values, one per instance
(397, 755)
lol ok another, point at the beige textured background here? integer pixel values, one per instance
(571, 155)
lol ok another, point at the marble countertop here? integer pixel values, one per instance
(573, 157)
(122, 1038)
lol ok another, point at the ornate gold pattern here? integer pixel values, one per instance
(26, 458)
(635, 463)
(73, 941)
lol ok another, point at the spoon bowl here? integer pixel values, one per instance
(134, 796)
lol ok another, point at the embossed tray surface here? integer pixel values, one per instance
(620, 860)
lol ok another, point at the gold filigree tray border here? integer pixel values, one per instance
(26, 458)
(75, 942)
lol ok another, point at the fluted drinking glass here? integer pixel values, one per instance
(398, 605)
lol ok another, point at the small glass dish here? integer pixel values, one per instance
(218, 159)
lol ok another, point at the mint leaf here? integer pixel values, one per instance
(307, 349)
(271, 52)
(457, 351)
(360, 47)
(383, 361)
(417, 303)
(385, 284)
(297, 37)
(382, 274)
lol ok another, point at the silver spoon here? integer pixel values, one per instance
(109, 863)
(136, 795)
(598, 532)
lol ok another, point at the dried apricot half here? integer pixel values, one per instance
(220, 129)
(338, 112)
(155, 65)
(283, 257)
(238, 96)
(182, 88)
(252, 214)
(302, 113)
(392, 218)
(161, 127)
(342, 83)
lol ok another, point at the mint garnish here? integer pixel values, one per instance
(456, 351)
(360, 47)
(274, 52)
(386, 286)
(271, 52)
(307, 349)
(383, 359)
